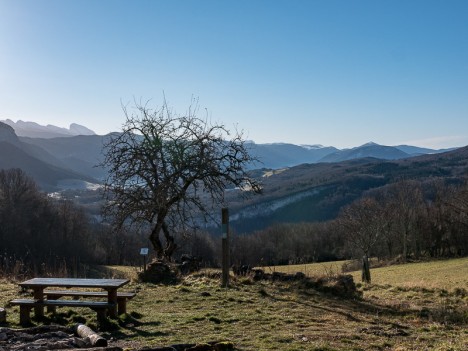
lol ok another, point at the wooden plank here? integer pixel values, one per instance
(66, 303)
(26, 305)
(59, 293)
(74, 282)
(122, 297)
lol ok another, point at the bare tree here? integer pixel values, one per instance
(406, 201)
(363, 225)
(166, 168)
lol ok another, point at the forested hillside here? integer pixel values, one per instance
(416, 207)
(317, 192)
(39, 234)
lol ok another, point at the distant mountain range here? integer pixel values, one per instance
(55, 156)
(34, 130)
(287, 155)
(50, 171)
(44, 168)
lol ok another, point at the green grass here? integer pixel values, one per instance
(394, 314)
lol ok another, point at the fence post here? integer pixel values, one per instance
(225, 246)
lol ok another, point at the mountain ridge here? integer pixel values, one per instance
(293, 190)
(35, 130)
(47, 170)
(82, 153)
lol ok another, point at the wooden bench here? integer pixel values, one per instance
(122, 297)
(27, 304)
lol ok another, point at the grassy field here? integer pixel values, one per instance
(408, 307)
(448, 274)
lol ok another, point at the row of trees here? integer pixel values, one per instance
(40, 235)
(408, 219)
(404, 220)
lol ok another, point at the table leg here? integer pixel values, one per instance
(121, 305)
(39, 296)
(112, 298)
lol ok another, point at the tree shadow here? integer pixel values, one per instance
(138, 330)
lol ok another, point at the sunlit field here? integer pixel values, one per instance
(418, 306)
(446, 274)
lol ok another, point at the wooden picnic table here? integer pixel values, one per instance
(38, 285)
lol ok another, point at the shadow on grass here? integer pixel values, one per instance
(346, 307)
(137, 330)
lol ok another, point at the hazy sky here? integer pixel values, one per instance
(338, 73)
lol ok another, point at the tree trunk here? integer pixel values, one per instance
(366, 277)
(171, 246)
(155, 241)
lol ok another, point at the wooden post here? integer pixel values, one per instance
(366, 277)
(225, 246)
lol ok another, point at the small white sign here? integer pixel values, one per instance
(144, 251)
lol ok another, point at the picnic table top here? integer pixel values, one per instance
(74, 282)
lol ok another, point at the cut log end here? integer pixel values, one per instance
(86, 332)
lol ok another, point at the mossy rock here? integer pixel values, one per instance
(159, 272)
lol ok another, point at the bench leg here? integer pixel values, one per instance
(52, 309)
(121, 306)
(25, 318)
(101, 314)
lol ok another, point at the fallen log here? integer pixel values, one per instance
(87, 333)
(2, 315)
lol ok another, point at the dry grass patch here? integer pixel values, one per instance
(446, 274)
(309, 269)
(268, 315)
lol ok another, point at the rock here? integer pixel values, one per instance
(299, 276)
(189, 264)
(223, 346)
(44, 338)
(159, 272)
(340, 285)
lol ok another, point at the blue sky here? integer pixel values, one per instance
(338, 73)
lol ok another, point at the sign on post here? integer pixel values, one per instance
(144, 253)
